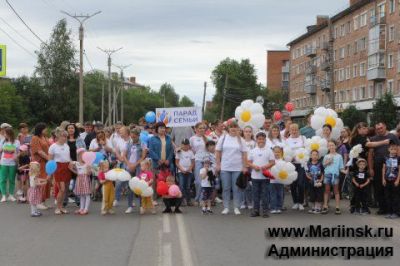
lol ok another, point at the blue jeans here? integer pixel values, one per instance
(297, 187)
(228, 179)
(184, 184)
(119, 186)
(247, 195)
(260, 193)
(276, 194)
(197, 179)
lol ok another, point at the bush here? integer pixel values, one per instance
(351, 116)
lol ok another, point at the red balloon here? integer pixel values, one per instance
(289, 107)
(162, 188)
(267, 174)
(277, 115)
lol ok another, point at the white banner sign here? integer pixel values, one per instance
(179, 116)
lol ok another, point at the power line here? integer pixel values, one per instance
(16, 13)
(23, 48)
(17, 32)
(87, 59)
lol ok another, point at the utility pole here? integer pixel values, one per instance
(223, 97)
(102, 103)
(109, 52)
(331, 65)
(122, 68)
(81, 19)
(204, 97)
(164, 98)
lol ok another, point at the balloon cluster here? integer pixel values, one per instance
(118, 174)
(163, 189)
(250, 114)
(140, 187)
(284, 172)
(317, 143)
(323, 116)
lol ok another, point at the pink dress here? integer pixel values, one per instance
(34, 192)
(82, 186)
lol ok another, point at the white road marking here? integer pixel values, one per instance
(160, 248)
(166, 224)
(167, 254)
(183, 240)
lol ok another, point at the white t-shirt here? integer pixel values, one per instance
(120, 145)
(94, 145)
(9, 152)
(231, 149)
(250, 144)
(133, 158)
(60, 153)
(198, 146)
(260, 157)
(185, 159)
(273, 143)
(204, 181)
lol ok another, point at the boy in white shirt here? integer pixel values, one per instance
(185, 163)
(207, 175)
(260, 158)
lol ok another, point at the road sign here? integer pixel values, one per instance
(3, 65)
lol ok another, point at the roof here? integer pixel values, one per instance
(317, 28)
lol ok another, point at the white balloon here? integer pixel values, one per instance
(332, 113)
(239, 110)
(318, 132)
(134, 182)
(148, 192)
(317, 121)
(257, 109)
(339, 123)
(335, 133)
(257, 120)
(246, 104)
(242, 124)
(320, 111)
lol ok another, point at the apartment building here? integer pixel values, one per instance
(359, 46)
(278, 66)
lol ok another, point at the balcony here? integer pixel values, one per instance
(376, 73)
(310, 88)
(311, 52)
(285, 69)
(325, 65)
(325, 85)
(377, 20)
(311, 70)
(325, 46)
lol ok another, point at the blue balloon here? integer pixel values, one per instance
(51, 167)
(144, 136)
(150, 117)
(99, 158)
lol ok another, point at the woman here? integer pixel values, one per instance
(218, 131)
(343, 149)
(160, 148)
(39, 152)
(327, 132)
(198, 146)
(247, 195)
(359, 136)
(59, 152)
(274, 137)
(9, 150)
(295, 142)
(231, 158)
(101, 144)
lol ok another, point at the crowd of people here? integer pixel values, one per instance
(212, 163)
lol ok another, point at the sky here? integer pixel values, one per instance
(174, 41)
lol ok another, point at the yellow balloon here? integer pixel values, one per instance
(330, 120)
(314, 146)
(283, 175)
(246, 116)
(137, 191)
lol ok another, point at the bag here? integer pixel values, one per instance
(241, 181)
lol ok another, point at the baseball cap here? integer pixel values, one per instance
(5, 125)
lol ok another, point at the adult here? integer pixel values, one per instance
(92, 135)
(327, 132)
(3, 127)
(133, 155)
(379, 145)
(267, 125)
(9, 149)
(101, 144)
(285, 132)
(295, 141)
(160, 148)
(178, 134)
(231, 158)
(59, 152)
(218, 131)
(88, 128)
(198, 146)
(307, 131)
(359, 136)
(24, 137)
(274, 137)
(39, 153)
(116, 136)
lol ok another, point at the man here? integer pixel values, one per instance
(96, 127)
(378, 150)
(88, 128)
(307, 131)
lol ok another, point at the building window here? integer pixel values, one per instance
(371, 91)
(381, 10)
(391, 33)
(390, 60)
(390, 86)
(348, 27)
(355, 71)
(348, 72)
(363, 93)
(355, 94)
(392, 6)
(398, 87)
(362, 44)
(363, 19)
(379, 90)
(341, 53)
(356, 22)
(342, 97)
(362, 69)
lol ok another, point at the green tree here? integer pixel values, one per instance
(139, 101)
(385, 110)
(351, 116)
(274, 100)
(12, 109)
(241, 84)
(186, 102)
(172, 98)
(93, 84)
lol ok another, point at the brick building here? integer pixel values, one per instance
(358, 46)
(278, 70)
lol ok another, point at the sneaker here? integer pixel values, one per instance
(177, 210)
(115, 203)
(57, 212)
(42, 206)
(103, 212)
(317, 211)
(337, 211)
(3, 199)
(394, 216)
(236, 211)
(265, 214)
(295, 206)
(250, 207)
(210, 212)
(204, 212)
(11, 198)
(36, 214)
(64, 211)
(273, 211)
(243, 207)
(19, 192)
(155, 203)
(225, 211)
(167, 211)
(278, 211)
(311, 210)
(254, 214)
(129, 210)
(141, 210)
(218, 200)
(324, 211)
(352, 209)
(388, 216)
(111, 211)
(301, 208)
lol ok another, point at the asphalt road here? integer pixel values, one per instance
(175, 239)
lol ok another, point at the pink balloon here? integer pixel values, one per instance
(289, 107)
(89, 157)
(174, 190)
(277, 115)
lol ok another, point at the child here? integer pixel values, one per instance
(210, 147)
(108, 189)
(276, 192)
(260, 158)
(23, 169)
(35, 191)
(390, 181)
(146, 175)
(171, 201)
(315, 174)
(333, 164)
(360, 182)
(82, 186)
(185, 164)
(207, 175)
